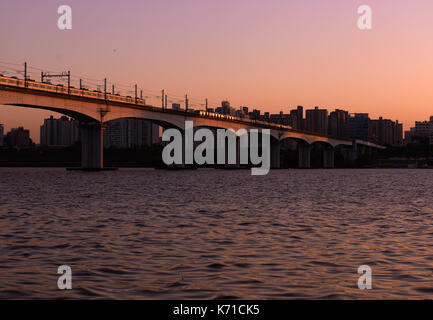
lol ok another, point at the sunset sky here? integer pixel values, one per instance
(271, 55)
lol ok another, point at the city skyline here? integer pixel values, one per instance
(33, 125)
(263, 56)
(130, 132)
(310, 123)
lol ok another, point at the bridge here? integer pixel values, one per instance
(95, 108)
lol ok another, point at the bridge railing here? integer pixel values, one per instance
(48, 87)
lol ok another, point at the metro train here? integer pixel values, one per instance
(96, 94)
(48, 87)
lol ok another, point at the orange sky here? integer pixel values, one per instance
(272, 55)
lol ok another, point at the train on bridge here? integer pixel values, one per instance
(107, 96)
(59, 88)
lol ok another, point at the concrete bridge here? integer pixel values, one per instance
(94, 109)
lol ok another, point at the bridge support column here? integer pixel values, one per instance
(362, 150)
(353, 154)
(304, 155)
(92, 146)
(275, 154)
(328, 158)
(369, 151)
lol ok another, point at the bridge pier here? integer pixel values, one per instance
(350, 154)
(304, 156)
(328, 158)
(275, 154)
(353, 152)
(92, 146)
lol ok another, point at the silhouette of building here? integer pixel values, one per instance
(398, 134)
(255, 114)
(280, 118)
(130, 133)
(380, 131)
(18, 138)
(358, 125)
(226, 109)
(242, 112)
(421, 133)
(276, 118)
(59, 132)
(297, 118)
(337, 123)
(176, 106)
(385, 131)
(1, 135)
(317, 120)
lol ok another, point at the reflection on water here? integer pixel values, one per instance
(204, 234)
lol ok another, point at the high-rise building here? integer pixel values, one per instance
(380, 131)
(254, 115)
(130, 133)
(226, 109)
(422, 132)
(358, 125)
(280, 118)
(18, 138)
(337, 123)
(398, 133)
(225, 106)
(59, 132)
(1, 135)
(297, 118)
(385, 131)
(317, 120)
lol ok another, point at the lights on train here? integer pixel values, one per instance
(85, 92)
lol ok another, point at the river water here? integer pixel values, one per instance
(206, 234)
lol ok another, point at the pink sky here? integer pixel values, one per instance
(272, 55)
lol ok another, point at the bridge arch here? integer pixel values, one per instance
(70, 113)
(324, 144)
(162, 119)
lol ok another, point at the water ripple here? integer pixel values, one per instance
(216, 234)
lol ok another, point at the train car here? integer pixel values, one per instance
(97, 94)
